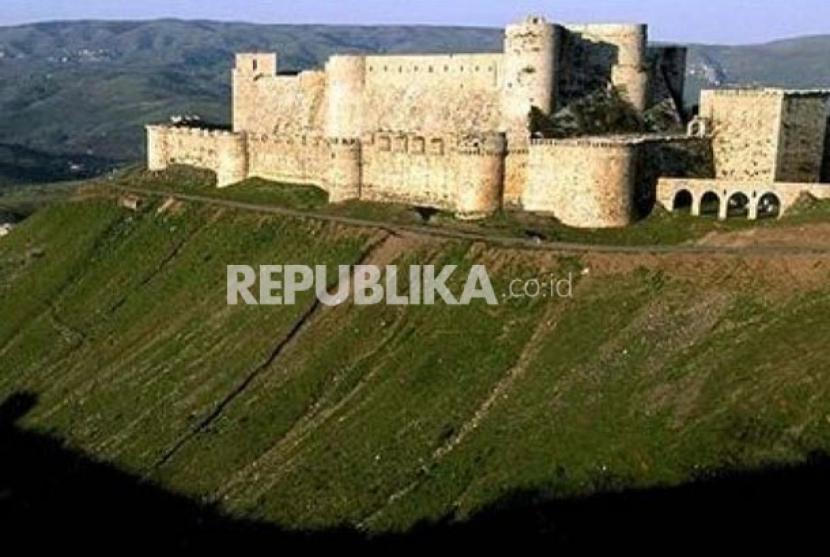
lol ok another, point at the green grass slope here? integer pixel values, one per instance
(658, 369)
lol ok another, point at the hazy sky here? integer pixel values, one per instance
(720, 21)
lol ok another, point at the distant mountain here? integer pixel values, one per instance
(88, 87)
(83, 90)
(798, 63)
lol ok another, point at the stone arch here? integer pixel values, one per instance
(698, 127)
(738, 205)
(683, 201)
(709, 204)
(769, 206)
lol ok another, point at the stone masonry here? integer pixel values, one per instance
(453, 131)
(769, 149)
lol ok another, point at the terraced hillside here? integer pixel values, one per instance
(662, 371)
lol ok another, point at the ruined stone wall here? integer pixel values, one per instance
(582, 182)
(746, 127)
(801, 148)
(447, 172)
(222, 152)
(595, 55)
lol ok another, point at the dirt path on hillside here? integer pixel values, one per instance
(813, 236)
(753, 242)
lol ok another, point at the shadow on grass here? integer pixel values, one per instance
(53, 496)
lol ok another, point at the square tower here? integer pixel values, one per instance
(767, 135)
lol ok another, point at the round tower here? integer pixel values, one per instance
(586, 182)
(530, 72)
(481, 160)
(345, 80)
(345, 173)
(630, 74)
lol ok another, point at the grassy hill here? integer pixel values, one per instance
(662, 371)
(81, 92)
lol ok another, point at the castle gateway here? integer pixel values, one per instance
(457, 132)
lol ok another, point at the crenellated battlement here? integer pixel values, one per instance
(174, 130)
(484, 145)
(402, 143)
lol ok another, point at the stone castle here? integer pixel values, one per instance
(456, 131)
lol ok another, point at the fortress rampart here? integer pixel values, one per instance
(453, 131)
(447, 130)
(223, 152)
(607, 181)
(463, 174)
(542, 65)
(582, 182)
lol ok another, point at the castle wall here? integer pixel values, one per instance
(515, 173)
(461, 175)
(462, 142)
(432, 95)
(825, 163)
(222, 152)
(333, 165)
(289, 158)
(801, 147)
(481, 170)
(582, 182)
(158, 157)
(746, 128)
(343, 177)
(265, 102)
(441, 94)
